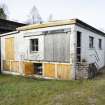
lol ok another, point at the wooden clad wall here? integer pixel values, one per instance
(63, 71)
(15, 66)
(49, 70)
(28, 68)
(57, 47)
(12, 66)
(6, 65)
(58, 71)
(9, 48)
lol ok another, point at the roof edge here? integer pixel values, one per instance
(47, 24)
(9, 33)
(88, 27)
(60, 23)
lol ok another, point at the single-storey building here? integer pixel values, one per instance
(53, 49)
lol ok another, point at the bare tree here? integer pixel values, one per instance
(34, 16)
(50, 17)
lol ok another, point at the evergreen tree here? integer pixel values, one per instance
(3, 14)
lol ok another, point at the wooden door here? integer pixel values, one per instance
(9, 48)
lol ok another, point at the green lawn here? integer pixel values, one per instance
(15, 90)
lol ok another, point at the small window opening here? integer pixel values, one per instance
(38, 68)
(34, 44)
(91, 42)
(100, 43)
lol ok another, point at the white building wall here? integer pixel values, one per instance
(34, 55)
(23, 42)
(89, 53)
(73, 50)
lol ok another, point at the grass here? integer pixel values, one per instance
(16, 90)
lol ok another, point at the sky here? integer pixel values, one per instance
(89, 11)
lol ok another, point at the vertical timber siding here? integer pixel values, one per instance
(57, 47)
(15, 66)
(9, 48)
(12, 66)
(63, 71)
(6, 65)
(49, 70)
(58, 71)
(28, 68)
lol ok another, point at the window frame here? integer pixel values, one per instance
(91, 42)
(100, 44)
(34, 46)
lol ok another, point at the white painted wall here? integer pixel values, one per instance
(86, 52)
(22, 43)
(23, 40)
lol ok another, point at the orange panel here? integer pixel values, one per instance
(9, 48)
(29, 68)
(49, 70)
(64, 71)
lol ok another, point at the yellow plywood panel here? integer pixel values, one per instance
(63, 71)
(49, 70)
(6, 65)
(15, 66)
(21, 66)
(9, 48)
(29, 68)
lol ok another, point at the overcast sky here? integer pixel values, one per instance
(90, 11)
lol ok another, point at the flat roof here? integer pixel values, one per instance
(7, 25)
(61, 23)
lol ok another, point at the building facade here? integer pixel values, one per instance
(52, 50)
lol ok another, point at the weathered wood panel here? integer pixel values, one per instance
(48, 47)
(6, 65)
(9, 48)
(57, 47)
(49, 70)
(64, 71)
(28, 68)
(15, 66)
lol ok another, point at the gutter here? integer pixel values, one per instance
(9, 33)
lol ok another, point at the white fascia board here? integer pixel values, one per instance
(9, 33)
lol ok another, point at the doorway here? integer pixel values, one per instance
(78, 49)
(38, 68)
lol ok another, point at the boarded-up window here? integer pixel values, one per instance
(34, 44)
(9, 48)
